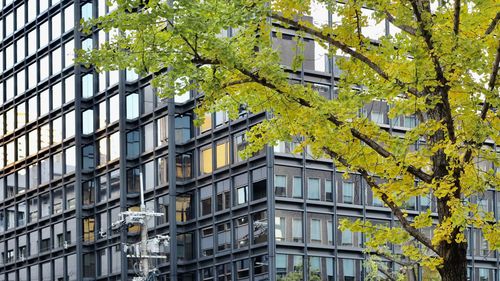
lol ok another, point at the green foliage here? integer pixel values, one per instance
(431, 69)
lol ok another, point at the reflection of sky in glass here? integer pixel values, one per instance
(373, 30)
(319, 13)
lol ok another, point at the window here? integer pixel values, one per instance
(89, 266)
(88, 190)
(348, 192)
(88, 229)
(87, 86)
(280, 228)
(133, 180)
(102, 189)
(88, 122)
(102, 262)
(70, 160)
(313, 187)
(33, 109)
(260, 265)
(103, 114)
(114, 146)
(88, 157)
(297, 187)
(241, 195)
(183, 166)
(346, 239)
(377, 202)
(133, 142)
(87, 44)
(21, 115)
(147, 133)
(70, 197)
(329, 232)
(69, 121)
(19, 17)
(68, 18)
(280, 185)
(259, 222)
(411, 203)
(223, 195)
(57, 201)
(223, 236)
(184, 208)
(241, 232)
(409, 122)
(328, 191)
(56, 91)
(224, 272)
(114, 183)
(206, 160)
(221, 117)
(45, 204)
(222, 153)
(33, 209)
(207, 274)
(206, 200)
(57, 130)
(207, 123)
(239, 144)
(243, 269)
(132, 106)
(183, 130)
(56, 26)
(281, 265)
(259, 189)
(315, 266)
(297, 230)
(162, 131)
(114, 112)
(44, 136)
(348, 270)
(69, 54)
(207, 241)
(87, 11)
(315, 230)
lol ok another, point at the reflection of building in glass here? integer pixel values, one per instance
(73, 144)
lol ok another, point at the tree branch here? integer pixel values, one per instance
(493, 24)
(393, 259)
(355, 133)
(456, 17)
(396, 210)
(406, 28)
(492, 82)
(386, 273)
(418, 173)
(443, 88)
(358, 24)
(427, 36)
(345, 48)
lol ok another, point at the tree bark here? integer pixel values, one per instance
(454, 255)
(455, 262)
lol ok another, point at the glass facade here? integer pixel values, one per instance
(74, 142)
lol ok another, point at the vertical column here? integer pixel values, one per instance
(78, 147)
(271, 208)
(123, 167)
(172, 189)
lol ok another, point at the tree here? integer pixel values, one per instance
(441, 67)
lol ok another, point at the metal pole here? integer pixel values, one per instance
(144, 233)
(172, 189)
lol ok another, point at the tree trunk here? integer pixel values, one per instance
(455, 262)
